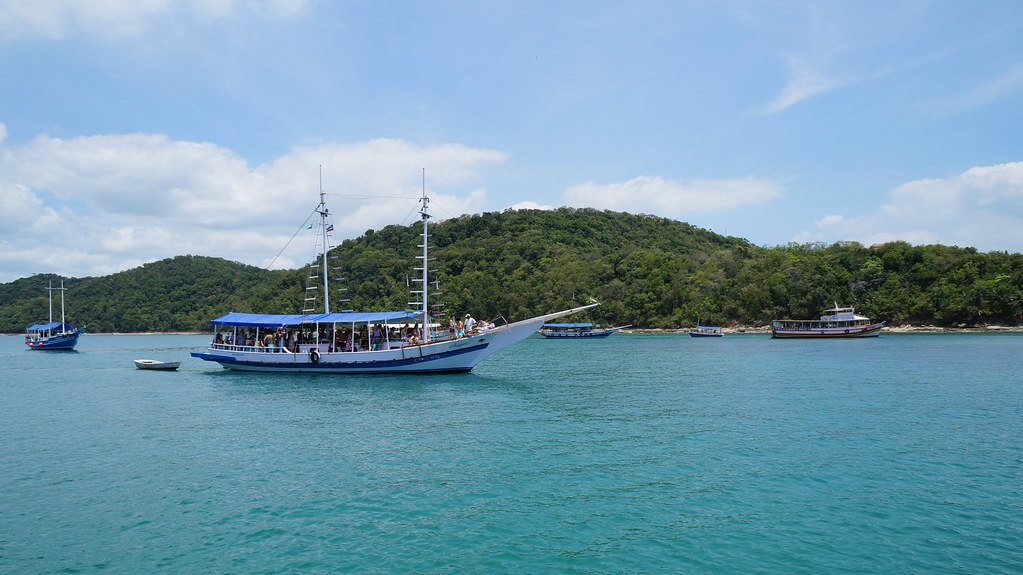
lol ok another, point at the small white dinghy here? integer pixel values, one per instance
(154, 364)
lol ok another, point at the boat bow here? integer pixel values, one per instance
(512, 333)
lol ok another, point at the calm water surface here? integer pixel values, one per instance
(639, 453)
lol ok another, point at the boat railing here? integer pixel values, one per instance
(321, 347)
(250, 348)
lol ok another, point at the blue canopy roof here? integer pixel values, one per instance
(259, 319)
(48, 326)
(369, 316)
(567, 325)
(277, 320)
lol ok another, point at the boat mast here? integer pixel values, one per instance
(322, 210)
(62, 329)
(424, 212)
(50, 291)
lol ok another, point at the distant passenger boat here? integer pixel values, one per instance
(706, 331)
(564, 330)
(836, 322)
(53, 335)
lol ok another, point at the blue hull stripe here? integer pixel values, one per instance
(55, 344)
(348, 366)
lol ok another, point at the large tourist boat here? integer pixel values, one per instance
(572, 330)
(53, 335)
(395, 342)
(836, 322)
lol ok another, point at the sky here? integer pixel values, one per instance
(136, 130)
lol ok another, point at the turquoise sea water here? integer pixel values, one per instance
(635, 454)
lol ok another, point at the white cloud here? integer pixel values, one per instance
(805, 81)
(94, 205)
(1009, 83)
(981, 207)
(673, 199)
(830, 220)
(529, 205)
(20, 205)
(56, 19)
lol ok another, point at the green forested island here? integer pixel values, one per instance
(647, 271)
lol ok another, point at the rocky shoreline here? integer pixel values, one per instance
(906, 328)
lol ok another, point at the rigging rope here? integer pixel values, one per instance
(361, 196)
(434, 202)
(300, 228)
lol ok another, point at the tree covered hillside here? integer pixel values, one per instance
(646, 271)
(654, 272)
(177, 294)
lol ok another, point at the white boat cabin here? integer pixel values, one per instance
(836, 318)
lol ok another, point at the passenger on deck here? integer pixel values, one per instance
(459, 329)
(413, 340)
(218, 339)
(470, 324)
(378, 337)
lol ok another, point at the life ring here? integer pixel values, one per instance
(314, 355)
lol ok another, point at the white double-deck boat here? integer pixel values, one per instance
(359, 342)
(836, 322)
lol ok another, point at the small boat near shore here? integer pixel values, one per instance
(837, 322)
(156, 364)
(706, 331)
(53, 335)
(570, 330)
